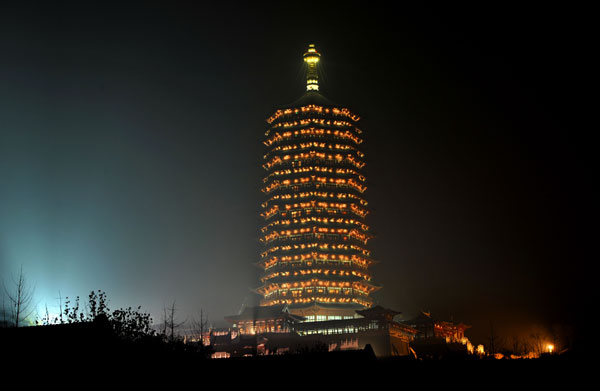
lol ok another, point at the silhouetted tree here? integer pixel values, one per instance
(537, 339)
(170, 322)
(97, 304)
(199, 327)
(72, 312)
(520, 346)
(20, 297)
(496, 342)
(562, 335)
(4, 313)
(46, 320)
(131, 324)
(128, 324)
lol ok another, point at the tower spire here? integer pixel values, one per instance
(311, 58)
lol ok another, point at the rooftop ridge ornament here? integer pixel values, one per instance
(311, 58)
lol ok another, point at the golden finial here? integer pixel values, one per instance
(311, 58)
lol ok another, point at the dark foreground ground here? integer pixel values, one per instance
(73, 357)
(348, 370)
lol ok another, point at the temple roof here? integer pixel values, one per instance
(325, 305)
(378, 312)
(264, 313)
(425, 318)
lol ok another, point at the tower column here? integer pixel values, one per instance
(316, 258)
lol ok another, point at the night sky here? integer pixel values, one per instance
(131, 151)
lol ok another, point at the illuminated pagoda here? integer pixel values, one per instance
(315, 259)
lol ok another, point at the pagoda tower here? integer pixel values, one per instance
(315, 259)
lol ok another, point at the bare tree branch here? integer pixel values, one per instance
(20, 299)
(170, 321)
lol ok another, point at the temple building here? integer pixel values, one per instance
(437, 338)
(316, 281)
(316, 259)
(268, 330)
(259, 320)
(429, 327)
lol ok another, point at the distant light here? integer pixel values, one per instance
(480, 349)
(550, 348)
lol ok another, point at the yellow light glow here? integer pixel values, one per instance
(317, 194)
(312, 132)
(312, 156)
(311, 58)
(314, 108)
